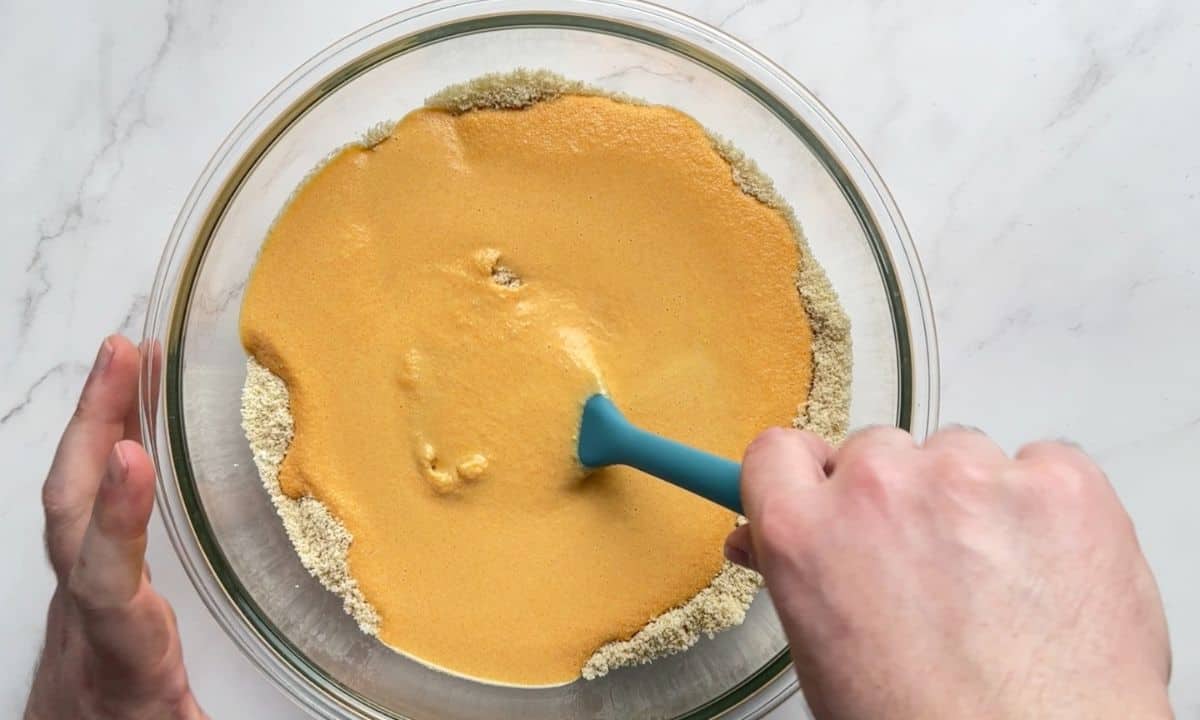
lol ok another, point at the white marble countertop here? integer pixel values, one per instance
(1045, 155)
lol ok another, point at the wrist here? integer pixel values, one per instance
(1145, 705)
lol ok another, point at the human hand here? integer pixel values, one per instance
(112, 648)
(950, 581)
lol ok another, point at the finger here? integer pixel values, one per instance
(778, 463)
(149, 374)
(108, 398)
(877, 438)
(739, 549)
(123, 619)
(109, 567)
(967, 441)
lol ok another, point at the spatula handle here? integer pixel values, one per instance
(607, 438)
(704, 474)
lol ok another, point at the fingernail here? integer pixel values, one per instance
(738, 556)
(118, 468)
(103, 357)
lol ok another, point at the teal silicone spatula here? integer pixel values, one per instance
(607, 438)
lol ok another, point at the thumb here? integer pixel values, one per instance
(739, 547)
(778, 465)
(126, 623)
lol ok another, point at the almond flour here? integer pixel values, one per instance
(322, 542)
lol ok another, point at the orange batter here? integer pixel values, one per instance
(441, 305)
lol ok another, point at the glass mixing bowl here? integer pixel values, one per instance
(215, 509)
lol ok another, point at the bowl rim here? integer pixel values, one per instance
(162, 421)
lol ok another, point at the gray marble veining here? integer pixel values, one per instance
(1044, 155)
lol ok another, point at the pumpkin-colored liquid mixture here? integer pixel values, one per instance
(441, 305)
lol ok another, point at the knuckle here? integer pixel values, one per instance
(869, 473)
(877, 433)
(955, 437)
(865, 466)
(1034, 449)
(1060, 477)
(54, 501)
(77, 586)
(956, 464)
(1061, 468)
(89, 589)
(1061, 450)
(86, 594)
(1070, 477)
(59, 508)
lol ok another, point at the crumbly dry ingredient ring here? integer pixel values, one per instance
(322, 542)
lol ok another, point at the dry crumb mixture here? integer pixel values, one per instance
(322, 542)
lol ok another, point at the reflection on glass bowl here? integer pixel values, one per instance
(217, 514)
